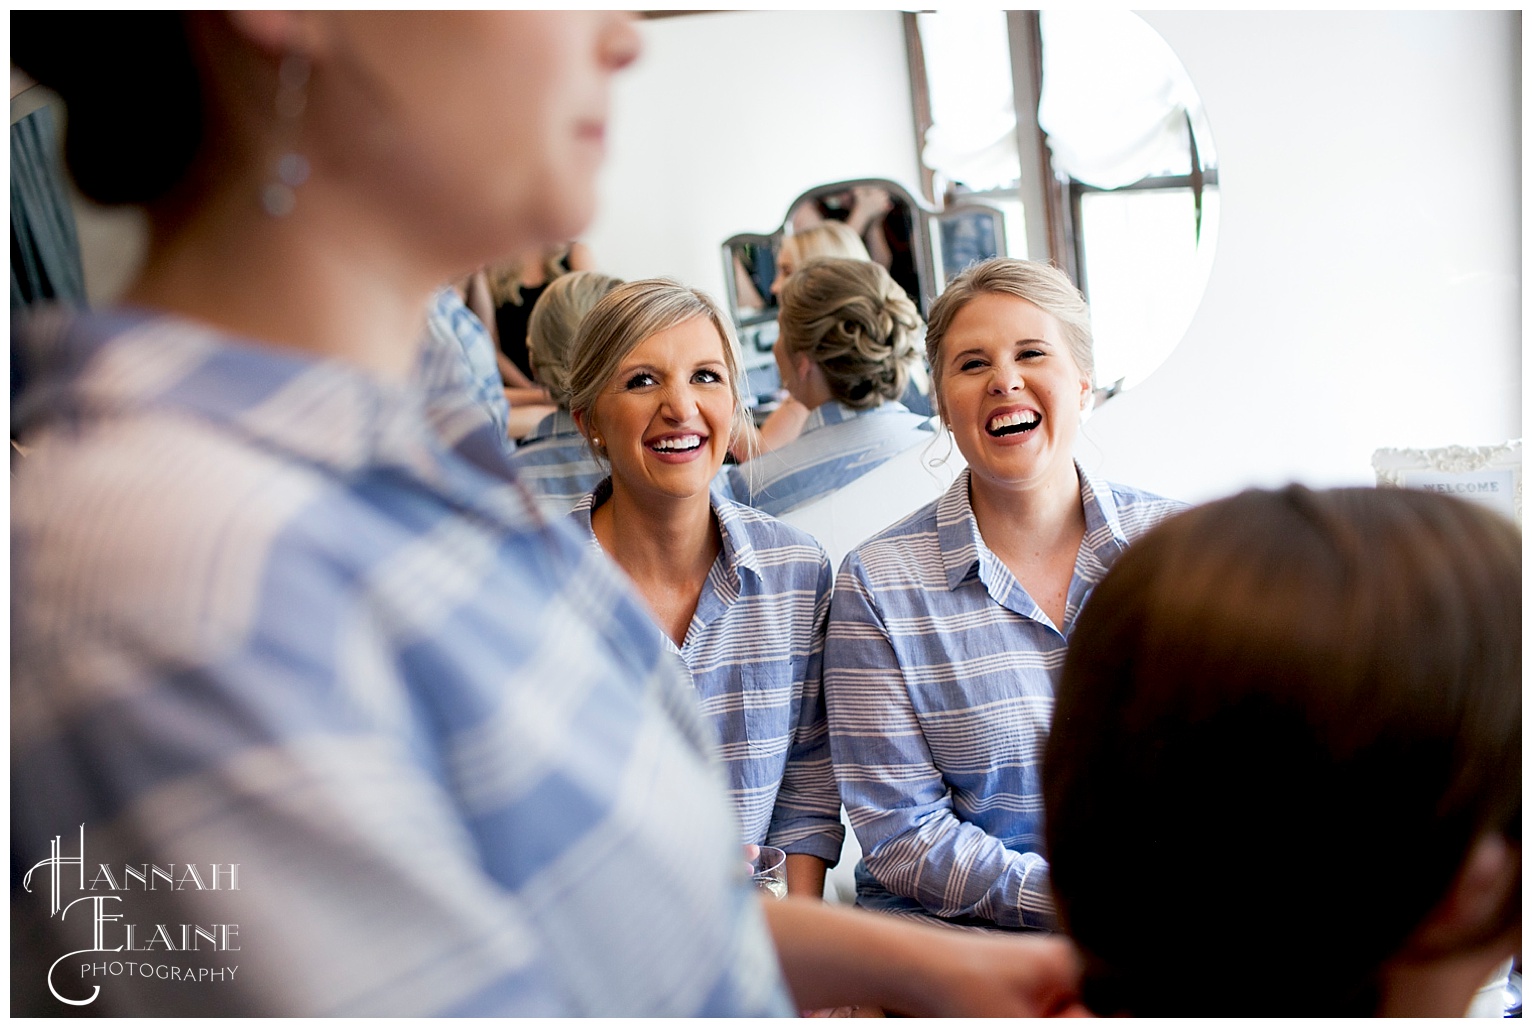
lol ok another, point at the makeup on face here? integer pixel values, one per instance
(1011, 391)
(667, 415)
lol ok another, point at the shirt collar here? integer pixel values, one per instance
(559, 423)
(1104, 535)
(958, 532)
(738, 551)
(962, 545)
(833, 412)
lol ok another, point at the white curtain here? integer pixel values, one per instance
(1115, 98)
(972, 138)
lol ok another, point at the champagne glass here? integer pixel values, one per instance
(768, 869)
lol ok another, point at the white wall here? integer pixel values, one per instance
(1366, 287)
(727, 117)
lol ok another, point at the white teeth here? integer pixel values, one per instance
(1027, 417)
(680, 442)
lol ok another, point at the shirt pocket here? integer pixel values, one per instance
(768, 696)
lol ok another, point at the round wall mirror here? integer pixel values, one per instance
(1129, 189)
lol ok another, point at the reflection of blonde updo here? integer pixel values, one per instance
(857, 325)
(627, 316)
(829, 239)
(554, 322)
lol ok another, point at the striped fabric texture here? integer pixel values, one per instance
(556, 465)
(755, 649)
(458, 374)
(939, 682)
(837, 446)
(261, 616)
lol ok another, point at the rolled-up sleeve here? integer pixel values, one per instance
(806, 818)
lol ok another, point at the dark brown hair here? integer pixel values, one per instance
(1284, 720)
(131, 87)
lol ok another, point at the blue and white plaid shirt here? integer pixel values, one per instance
(939, 679)
(754, 649)
(262, 617)
(458, 374)
(556, 465)
(837, 446)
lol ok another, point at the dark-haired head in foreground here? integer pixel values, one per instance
(1284, 771)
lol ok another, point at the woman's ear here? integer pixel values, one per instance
(804, 366)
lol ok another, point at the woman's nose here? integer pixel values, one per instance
(1006, 378)
(680, 403)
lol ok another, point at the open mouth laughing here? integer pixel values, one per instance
(688, 442)
(1013, 423)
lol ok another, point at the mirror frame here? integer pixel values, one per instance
(925, 223)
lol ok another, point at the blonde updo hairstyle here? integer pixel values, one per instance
(856, 323)
(554, 323)
(1042, 285)
(827, 239)
(621, 321)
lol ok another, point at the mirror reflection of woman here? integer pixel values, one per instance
(948, 630)
(741, 597)
(554, 461)
(514, 287)
(848, 339)
(829, 239)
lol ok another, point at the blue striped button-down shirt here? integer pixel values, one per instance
(263, 618)
(458, 374)
(555, 463)
(755, 648)
(939, 679)
(837, 446)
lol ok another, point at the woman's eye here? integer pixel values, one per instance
(970, 365)
(638, 381)
(707, 375)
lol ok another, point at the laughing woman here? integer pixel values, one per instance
(741, 597)
(948, 629)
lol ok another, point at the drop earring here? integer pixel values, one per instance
(279, 195)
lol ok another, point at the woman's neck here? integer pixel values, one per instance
(666, 548)
(316, 280)
(1036, 533)
(1039, 517)
(811, 389)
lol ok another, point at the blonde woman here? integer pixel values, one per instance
(739, 596)
(948, 629)
(554, 461)
(829, 239)
(847, 341)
